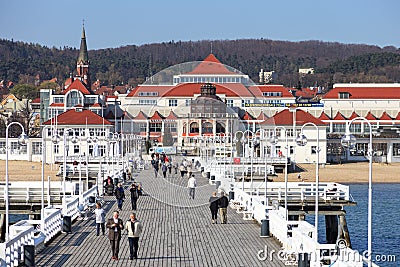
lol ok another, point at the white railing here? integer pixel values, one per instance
(300, 191)
(12, 251)
(52, 223)
(23, 232)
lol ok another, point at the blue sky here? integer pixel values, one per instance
(117, 23)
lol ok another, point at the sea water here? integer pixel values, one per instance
(385, 222)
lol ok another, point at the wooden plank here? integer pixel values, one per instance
(177, 232)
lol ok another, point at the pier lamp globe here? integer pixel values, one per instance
(55, 139)
(273, 140)
(301, 140)
(23, 139)
(348, 140)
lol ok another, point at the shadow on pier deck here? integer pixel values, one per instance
(177, 232)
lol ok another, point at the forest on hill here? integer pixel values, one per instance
(333, 62)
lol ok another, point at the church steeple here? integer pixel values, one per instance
(83, 54)
(83, 63)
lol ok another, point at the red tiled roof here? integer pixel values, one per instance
(323, 116)
(285, 117)
(160, 89)
(247, 117)
(171, 116)
(385, 116)
(306, 93)
(78, 85)
(74, 117)
(210, 65)
(57, 105)
(262, 116)
(370, 116)
(339, 117)
(36, 100)
(141, 116)
(156, 116)
(95, 105)
(258, 90)
(190, 89)
(353, 115)
(365, 92)
(398, 116)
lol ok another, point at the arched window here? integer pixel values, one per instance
(74, 98)
(194, 127)
(220, 128)
(207, 127)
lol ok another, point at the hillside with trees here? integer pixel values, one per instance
(333, 62)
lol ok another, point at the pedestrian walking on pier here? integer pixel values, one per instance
(120, 195)
(192, 183)
(154, 163)
(100, 219)
(164, 169)
(134, 228)
(115, 226)
(134, 196)
(214, 207)
(223, 203)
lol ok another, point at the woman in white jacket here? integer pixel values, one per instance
(134, 229)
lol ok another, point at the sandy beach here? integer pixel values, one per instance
(344, 173)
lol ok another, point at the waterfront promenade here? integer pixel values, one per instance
(177, 232)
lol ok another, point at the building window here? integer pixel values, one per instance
(58, 99)
(148, 93)
(339, 128)
(272, 93)
(74, 98)
(396, 149)
(229, 102)
(2, 147)
(344, 95)
(188, 102)
(173, 102)
(291, 149)
(155, 127)
(244, 102)
(147, 102)
(313, 149)
(56, 149)
(36, 148)
(76, 149)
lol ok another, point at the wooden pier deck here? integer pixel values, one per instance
(177, 232)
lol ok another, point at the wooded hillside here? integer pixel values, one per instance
(333, 62)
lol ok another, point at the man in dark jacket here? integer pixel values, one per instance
(134, 196)
(115, 226)
(223, 203)
(120, 195)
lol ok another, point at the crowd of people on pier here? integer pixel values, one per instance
(133, 227)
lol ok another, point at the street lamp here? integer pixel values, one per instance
(22, 140)
(55, 139)
(74, 140)
(274, 140)
(349, 141)
(301, 140)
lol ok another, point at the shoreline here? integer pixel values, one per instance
(348, 173)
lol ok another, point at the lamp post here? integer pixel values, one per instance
(55, 139)
(22, 140)
(74, 140)
(349, 141)
(301, 140)
(274, 140)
